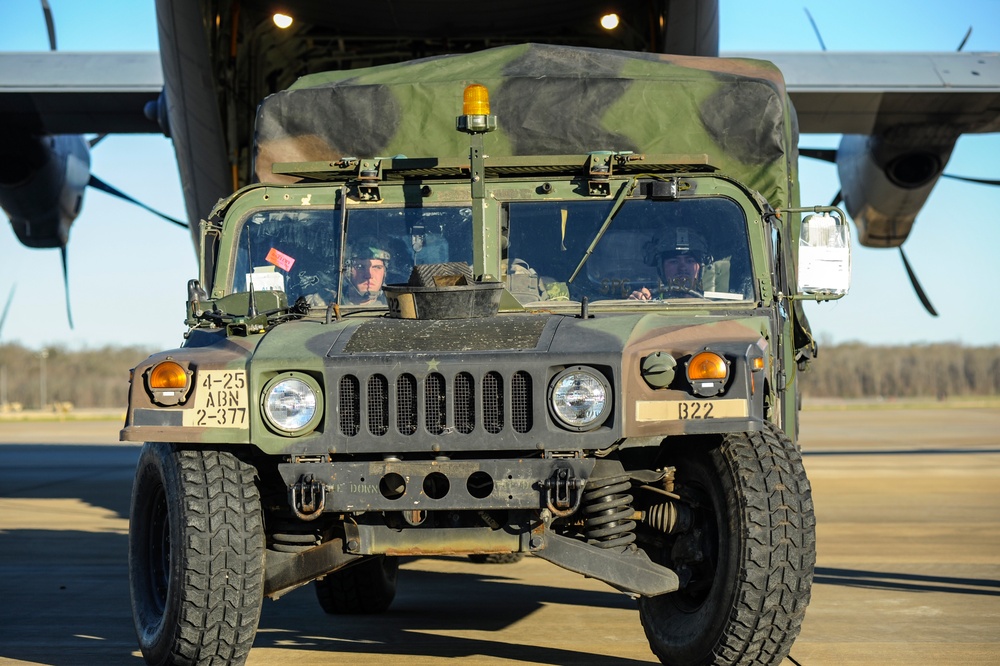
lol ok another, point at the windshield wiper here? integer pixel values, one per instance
(623, 194)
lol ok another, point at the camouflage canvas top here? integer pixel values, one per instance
(549, 100)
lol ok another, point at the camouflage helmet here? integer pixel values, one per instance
(675, 242)
(368, 247)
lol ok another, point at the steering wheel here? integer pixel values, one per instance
(678, 290)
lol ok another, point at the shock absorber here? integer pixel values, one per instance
(608, 511)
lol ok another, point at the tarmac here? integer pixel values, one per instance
(908, 572)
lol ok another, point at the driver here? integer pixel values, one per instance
(678, 258)
(368, 263)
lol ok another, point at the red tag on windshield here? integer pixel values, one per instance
(280, 259)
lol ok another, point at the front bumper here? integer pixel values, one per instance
(476, 485)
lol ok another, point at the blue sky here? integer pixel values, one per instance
(129, 270)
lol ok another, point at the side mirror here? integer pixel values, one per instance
(824, 270)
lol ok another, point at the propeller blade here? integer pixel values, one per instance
(981, 181)
(965, 39)
(96, 140)
(916, 285)
(837, 198)
(50, 24)
(99, 184)
(6, 308)
(825, 154)
(69, 312)
(822, 46)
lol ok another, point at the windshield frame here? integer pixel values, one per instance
(500, 194)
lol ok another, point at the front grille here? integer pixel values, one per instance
(463, 404)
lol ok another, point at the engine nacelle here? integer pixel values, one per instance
(42, 182)
(886, 182)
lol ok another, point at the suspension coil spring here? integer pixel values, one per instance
(608, 512)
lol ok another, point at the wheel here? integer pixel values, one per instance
(746, 562)
(497, 558)
(365, 588)
(196, 556)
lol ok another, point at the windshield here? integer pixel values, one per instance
(652, 250)
(298, 251)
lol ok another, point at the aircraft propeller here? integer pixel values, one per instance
(830, 155)
(40, 203)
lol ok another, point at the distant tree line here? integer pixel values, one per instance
(98, 378)
(92, 378)
(938, 370)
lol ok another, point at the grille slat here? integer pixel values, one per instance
(406, 404)
(465, 403)
(493, 402)
(520, 402)
(435, 398)
(350, 406)
(378, 405)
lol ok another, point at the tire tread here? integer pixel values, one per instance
(777, 555)
(221, 581)
(767, 614)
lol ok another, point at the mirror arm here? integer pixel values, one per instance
(818, 296)
(814, 209)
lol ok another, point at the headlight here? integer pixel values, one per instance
(580, 398)
(292, 403)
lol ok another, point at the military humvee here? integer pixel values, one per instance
(570, 328)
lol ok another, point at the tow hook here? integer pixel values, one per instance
(308, 498)
(562, 491)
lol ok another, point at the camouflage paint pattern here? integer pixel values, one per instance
(550, 100)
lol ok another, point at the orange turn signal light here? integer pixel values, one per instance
(168, 375)
(707, 365)
(476, 100)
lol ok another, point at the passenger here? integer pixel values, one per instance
(368, 261)
(678, 259)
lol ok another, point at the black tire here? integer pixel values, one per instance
(196, 556)
(750, 554)
(497, 558)
(365, 588)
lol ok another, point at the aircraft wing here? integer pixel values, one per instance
(834, 93)
(868, 93)
(79, 93)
